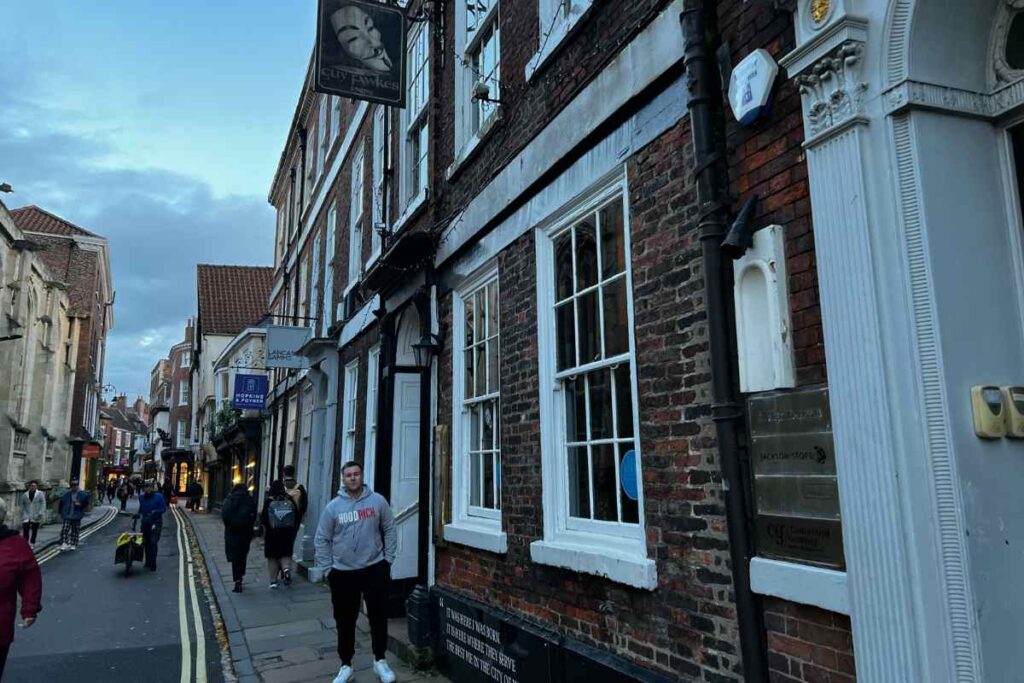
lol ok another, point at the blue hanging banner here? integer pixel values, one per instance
(250, 392)
(627, 475)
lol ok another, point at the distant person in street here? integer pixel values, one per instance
(356, 543)
(19, 575)
(195, 495)
(168, 491)
(111, 490)
(151, 517)
(72, 510)
(280, 518)
(296, 490)
(33, 509)
(123, 494)
(101, 489)
(239, 516)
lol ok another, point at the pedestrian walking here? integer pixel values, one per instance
(72, 510)
(280, 519)
(356, 543)
(19, 575)
(33, 509)
(151, 513)
(195, 495)
(296, 490)
(239, 515)
(111, 490)
(168, 491)
(123, 494)
(100, 490)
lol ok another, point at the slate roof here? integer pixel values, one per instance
(232, 298)
(33, 219)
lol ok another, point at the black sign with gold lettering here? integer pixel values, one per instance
(360, 51)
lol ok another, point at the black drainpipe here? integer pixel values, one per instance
(700, 34)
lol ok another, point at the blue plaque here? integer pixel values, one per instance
(250, 392)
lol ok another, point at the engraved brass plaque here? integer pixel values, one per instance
(796, 492)
(816, 541)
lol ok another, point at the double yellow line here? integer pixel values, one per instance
(54, 551)
(186, 575)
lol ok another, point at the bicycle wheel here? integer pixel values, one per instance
(128, 562)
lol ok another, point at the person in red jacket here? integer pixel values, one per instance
(19, 574)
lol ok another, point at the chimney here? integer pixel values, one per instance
(122, 402)
(188, 330)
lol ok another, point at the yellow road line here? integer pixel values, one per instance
(186, 645)
(197, 617)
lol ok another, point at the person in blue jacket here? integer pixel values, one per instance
(72, 510)
(151, 514)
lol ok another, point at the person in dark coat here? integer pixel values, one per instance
(123, 494)
(19, 575)
(239, 515)
(280, 518)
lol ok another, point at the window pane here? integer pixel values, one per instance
(589, 327)
(497, 479)
(492, 309)
(566, 333)
(630, 508)
(487, 460)
(624, 401)
(600, 404)
(575, 410)
(586, 254)
(474, 428)
(563, 266)
(492, 363)
(487, 437)
(616, 326)
(470, 374)
(612, 251)
(604, 483)
(480, 321)
(579, 483)
(481, 371)
(475, 497)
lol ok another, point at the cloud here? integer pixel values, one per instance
(159, 224)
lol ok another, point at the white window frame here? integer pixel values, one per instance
(355, 231)
(370, 443)
(348, 431)
(556, 20)
(335, 116)
(314, 289)
(612, 549)
(466, 138)
(379, 176)
(310, 172)
(415, 123)
(471, 526)
(186, 360)
(181, 437)
(303, 308)
(321, 132)
(329, 255)
(183, 393)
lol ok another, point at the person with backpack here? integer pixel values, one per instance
(280, 518)
(239, 515)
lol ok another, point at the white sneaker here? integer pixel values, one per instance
(64, 546)
(344, 674)
(72, 547)
(383, 671)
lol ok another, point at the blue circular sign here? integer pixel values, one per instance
(627, 474)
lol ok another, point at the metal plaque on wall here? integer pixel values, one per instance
(796, 491)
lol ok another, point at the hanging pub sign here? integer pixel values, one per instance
(283, 344)
(360, 51)
(250, 392)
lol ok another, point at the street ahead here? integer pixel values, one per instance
(99, 625)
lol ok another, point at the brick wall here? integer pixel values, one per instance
(767, 159)
(686, 627)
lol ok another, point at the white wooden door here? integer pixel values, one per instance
(405, 472)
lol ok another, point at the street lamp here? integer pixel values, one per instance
(425, 349)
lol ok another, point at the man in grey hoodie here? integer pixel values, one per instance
(356, 544)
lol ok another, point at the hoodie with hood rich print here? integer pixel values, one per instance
(355, 532)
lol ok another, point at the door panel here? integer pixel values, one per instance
(405, 480)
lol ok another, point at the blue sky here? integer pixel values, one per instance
(158, 125)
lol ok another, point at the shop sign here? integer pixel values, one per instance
(283, 344)
(91, 450)
(796, 490)
(360, 51)
(250, 392)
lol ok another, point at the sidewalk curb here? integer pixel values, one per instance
(53, 544)
(241, 660)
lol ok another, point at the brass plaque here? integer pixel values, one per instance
(802, 496)
(816, 541)
(794, 454)
(796, 412)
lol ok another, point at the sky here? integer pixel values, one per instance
(157, 125)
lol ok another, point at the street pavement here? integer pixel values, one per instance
(99, 625)
(285, 635)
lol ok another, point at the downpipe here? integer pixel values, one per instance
(711, 180)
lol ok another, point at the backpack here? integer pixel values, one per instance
(281, 514)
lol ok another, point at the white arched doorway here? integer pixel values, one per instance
(406, 441)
